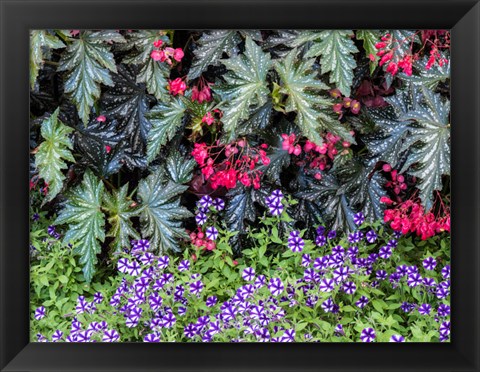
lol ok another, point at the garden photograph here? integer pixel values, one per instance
(245, 186)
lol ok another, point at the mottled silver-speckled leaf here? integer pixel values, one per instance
(166, 118)
(161, 213)
(140, 45)
(370, 38)
(387, 142)
(362, 187)
(253, 34)
(86, 222)
(212, 45)
(40, 40)
(52, 153)
(88, 61)
(239, 209)
(246, 86)
(331, 201)
(92, 141)
(259, 119)
(119, 217)
(178, 168)
(429, 144)
(153, 73)
(428, 78)
(128, 104)
(302, 86)
(335, 50)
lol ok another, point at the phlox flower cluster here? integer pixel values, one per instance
(165, 299)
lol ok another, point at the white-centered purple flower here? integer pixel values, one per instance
(134, 268)
(201, 218)
(340, 274)
(110, 335)
(275, 207)
(211, 301)
(163, 262)
(275, 286)
(359, 218)
(414, 280)
(443, 310)
(206, 201)
(184, 265)
(40, 313)
(445, 328)
(381, 275)
(151, 337)
(368, 335)
(219, 204)
(306, 260)
(196, 287)
(362, 302)
(57, 336)
(397, 338)
(295, 243)
(212, 233)
(328, 305)
(326, 285)
(385, 252)
(169, 320)
(97, 298)
(371, 236)
(122, 265)
(429, 263)
(248, 274)
(349, 287)
(320, 240)
(446, 272)
(424, 309)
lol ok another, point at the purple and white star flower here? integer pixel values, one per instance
(443, 310)
(385, 252)
(349, 287)
(110, 335)
(362, 302)
(424, 309)
(196, 287)
(205, 201)
(397, 338)
(184, 265)
(163, 262)
(371, 236)
(446, 272)
(57, 336)
(320, 240)
(134, 268)
(295, 243)
(326, 285)
(248, 274)
(445, 328)
(368, 335)
(211, 301)
(212, 233)
(275, 207)
(276, 286)
(219, 204)
(429, 263)
(328, 305)
(40, 313)
(151, 337)
(122, 265)
(359, 218)
(414, 280)
(201, 218)
(306, 260)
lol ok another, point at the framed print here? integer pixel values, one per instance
(213, 189)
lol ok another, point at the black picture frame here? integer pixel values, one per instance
(18, 16)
